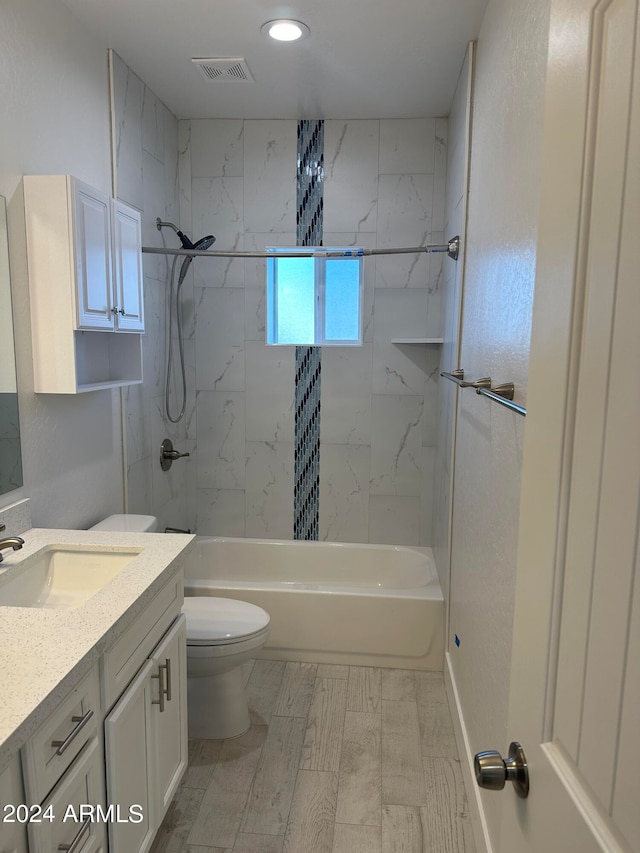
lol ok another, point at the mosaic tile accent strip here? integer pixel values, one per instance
(310, 186)
(306, 487)
(309, 199)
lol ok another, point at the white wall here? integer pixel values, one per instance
(55, 120)
(498, 296)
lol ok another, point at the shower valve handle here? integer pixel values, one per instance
(168, 454)
(174, 454)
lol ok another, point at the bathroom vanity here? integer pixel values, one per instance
(93, 722)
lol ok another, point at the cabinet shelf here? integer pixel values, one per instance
(417, 340)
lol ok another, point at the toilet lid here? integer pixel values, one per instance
(214, 621)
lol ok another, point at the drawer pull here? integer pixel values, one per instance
(78, 840)
(62, 745)
(168, 666)
(162, 690)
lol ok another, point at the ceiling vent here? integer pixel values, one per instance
(229, 68)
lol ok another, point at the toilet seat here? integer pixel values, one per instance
(215, 621)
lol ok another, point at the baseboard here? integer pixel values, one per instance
(476, 812)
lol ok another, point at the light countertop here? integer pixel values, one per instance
(44, 653)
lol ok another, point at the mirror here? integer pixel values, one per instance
(10, 458)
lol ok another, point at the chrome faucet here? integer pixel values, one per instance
(15, 542)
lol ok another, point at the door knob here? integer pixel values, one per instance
(492, 770)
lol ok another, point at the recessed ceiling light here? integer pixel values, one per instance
(284, 29)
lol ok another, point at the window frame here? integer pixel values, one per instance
(323, 254)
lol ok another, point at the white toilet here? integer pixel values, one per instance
(128, 524)
(222, 634)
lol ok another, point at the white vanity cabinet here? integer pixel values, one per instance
(13, 832)
(146, 729)
(85, 285)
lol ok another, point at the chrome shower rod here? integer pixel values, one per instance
(452, 248)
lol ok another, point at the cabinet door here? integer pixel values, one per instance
(169, 728)
(127, 265)
(92, 218)
(130, 764)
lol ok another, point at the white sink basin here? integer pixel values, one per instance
(61, 577)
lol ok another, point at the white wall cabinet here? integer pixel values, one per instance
(85, 286)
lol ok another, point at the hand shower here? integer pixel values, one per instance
(200, 245)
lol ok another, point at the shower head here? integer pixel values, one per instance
(201, 245)
(204, 243)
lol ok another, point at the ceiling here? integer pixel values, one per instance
(363, 58)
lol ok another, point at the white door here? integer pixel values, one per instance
(575, 683)
(127, 267)
(92, 216)
(131, 766)
(169, 728)
(70, 805)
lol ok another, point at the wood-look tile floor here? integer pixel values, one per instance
(338, 759)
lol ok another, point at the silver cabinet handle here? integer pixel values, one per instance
(63, 745)
(78, 840)
(168, 690)
(162, 689)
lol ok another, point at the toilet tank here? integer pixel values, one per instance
(128, 523)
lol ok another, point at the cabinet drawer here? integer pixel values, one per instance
(47, 754)
(81, 786)
(127, 655)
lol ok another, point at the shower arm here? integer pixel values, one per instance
(452, 248)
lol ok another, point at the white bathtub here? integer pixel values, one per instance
(367, 605)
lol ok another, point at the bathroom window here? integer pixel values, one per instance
(315, 301)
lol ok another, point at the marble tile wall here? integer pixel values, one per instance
(146, 167)
(384, 186)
